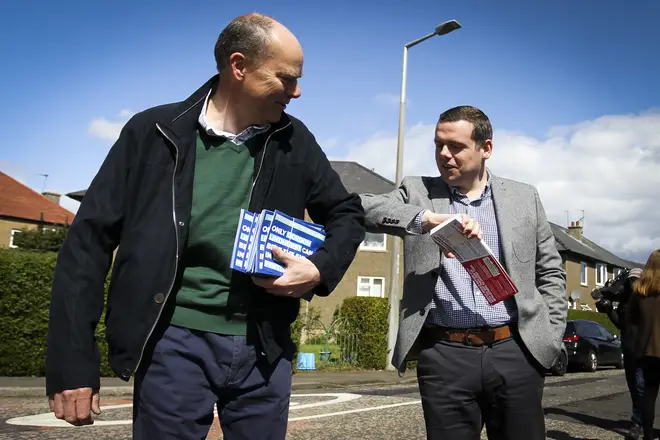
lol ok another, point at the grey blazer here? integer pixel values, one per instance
(529, 253)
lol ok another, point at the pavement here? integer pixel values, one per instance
(302, 380)
(376, 406)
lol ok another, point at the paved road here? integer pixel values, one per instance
(578, 406)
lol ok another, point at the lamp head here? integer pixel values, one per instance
(447, 27)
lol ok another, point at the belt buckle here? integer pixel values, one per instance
(469, 340)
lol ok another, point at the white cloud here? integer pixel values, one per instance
(108, 130)
(69, 204)
(328, 144)
(389, 99)
(606, 167)
(126, 113)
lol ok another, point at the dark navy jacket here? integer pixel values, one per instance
(139, 203)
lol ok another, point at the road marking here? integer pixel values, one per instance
(338, 398)
(49, 420)
(352, 411)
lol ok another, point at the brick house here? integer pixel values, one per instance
(21, 207)
(587, 265)
(369, 273)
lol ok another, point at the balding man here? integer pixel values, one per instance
(192, 332)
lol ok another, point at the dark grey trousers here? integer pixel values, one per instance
(464, 387)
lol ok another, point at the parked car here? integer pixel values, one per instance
(590, 345)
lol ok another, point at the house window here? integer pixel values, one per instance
(583, 273)
(371, 286)
(601, 274)
(616, 271)
(373, 242)
(11, 237)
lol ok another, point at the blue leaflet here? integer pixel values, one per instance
(239, 256)
(257, 234)
(292, 235)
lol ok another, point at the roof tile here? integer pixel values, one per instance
(21, 202)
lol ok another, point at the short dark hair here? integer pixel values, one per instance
(248, 34)
(482, 131)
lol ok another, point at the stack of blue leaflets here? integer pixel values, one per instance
(258, 233)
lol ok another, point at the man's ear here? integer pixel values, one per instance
(237, 65)
(487, 148)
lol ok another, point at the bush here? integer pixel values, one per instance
(367, 317)
(601, 318)
(25, 283)
(39, 239)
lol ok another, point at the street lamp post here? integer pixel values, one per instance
(395, 271)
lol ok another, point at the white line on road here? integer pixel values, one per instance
(49, 419)
(352, 411)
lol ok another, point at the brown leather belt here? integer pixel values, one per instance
(473, 337)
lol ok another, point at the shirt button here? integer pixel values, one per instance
(126, 373)
(422, 312)
(159, 298)
(181, 223)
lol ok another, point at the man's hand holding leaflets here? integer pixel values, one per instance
(300, 276)
(459, 236)
(273, 247)
(471, 227)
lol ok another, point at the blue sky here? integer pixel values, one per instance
(530, 66)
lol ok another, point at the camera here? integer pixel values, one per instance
(612, 292)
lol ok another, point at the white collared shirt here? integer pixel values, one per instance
(237, 139)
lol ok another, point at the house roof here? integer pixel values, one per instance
(587, 248)
(21, 202)
(360, 179)
(355, 177)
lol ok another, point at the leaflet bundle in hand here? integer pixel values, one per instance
(477, 259)
(256, 235)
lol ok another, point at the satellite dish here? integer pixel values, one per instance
(575, 294)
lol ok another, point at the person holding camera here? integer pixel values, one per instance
(644, 311)
(621, 290)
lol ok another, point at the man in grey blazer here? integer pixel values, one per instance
(477, 364)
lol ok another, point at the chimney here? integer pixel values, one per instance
(575, 230)
(52, 196)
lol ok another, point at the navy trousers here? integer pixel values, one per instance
(189, 372)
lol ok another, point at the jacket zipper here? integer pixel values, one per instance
(176, 255)
(261, 163)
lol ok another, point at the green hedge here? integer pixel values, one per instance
(40, 239)
(601, 318)
(367, 317)
(25, 283)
